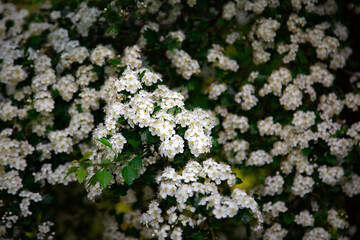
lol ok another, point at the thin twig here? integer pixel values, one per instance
(212, 234)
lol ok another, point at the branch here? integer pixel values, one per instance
(212, 234)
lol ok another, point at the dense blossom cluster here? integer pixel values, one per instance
(168, 114)
(216, 56)
(187, 185)
(305, 219)
(246, 97)
(184, 64)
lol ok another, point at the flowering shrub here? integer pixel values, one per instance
(179, 120)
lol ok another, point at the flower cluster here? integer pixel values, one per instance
(305, 219)
(146, 106)
(216, 56)
(215, 90)
(185, 65)
(186, 187)
(246, 97)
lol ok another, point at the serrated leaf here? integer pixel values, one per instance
(104, 178)
(105, 142)
(87, 155)
(93, 180)
(134, 143)
(70, 171)
(81, 174)
(129, 174)
(136, 162)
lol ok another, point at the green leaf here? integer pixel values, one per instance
(141, 75)
(190, 85)
(303, 59)
(136, 162)
(174, 110)
(114, 61)
(173, 43)
(87, 155)
(198, 236)
(215, 224)
(104, 178)
(178, 158)
(148, 177)
(118, 158)
(306, 151)
(81, 174)
(150, 36)
(226, 100)
(120, 120)
(35, 40)
(105, 142)
(238, 180)
(54, 93)
(221, 22)
(134, 143)
(96, 69)
(32, 114)
(352, 156)
(129, 174)
(105, 163)
(330, 158)
(287, 218)
(150, 138)
(88, 163)
(181, 131)
(93, 180)
(114, 28)
(79, 108)
(253, 128)
(156, 109)
(70, 171)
